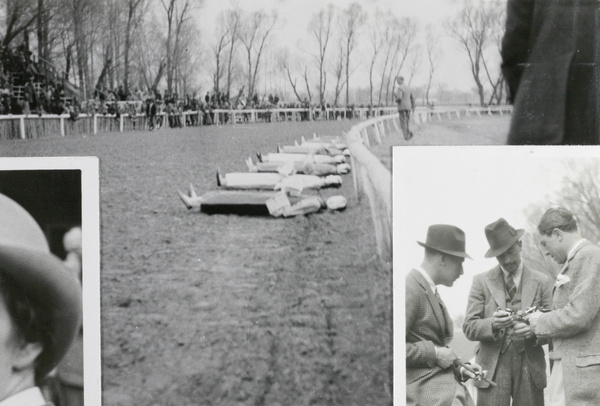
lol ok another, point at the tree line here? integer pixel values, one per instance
(347, 53)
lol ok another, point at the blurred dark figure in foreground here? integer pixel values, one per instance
(550, 56)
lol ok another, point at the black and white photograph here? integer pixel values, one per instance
(498, 277)
(245, 173)
(50, 281)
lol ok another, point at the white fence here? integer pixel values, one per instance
(423, 115)
(36, 126)
(371, 178)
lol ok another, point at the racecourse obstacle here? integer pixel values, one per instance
(371, 178)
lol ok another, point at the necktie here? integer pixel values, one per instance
(511, 288)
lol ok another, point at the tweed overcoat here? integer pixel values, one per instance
(428, 325)
(574, 325)
(488, 294)
(550, 54)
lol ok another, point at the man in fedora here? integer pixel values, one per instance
(507, 349)
(432, 377)
(573, 325)
(40, 307)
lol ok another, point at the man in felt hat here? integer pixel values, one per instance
(507, 349)
(573, 325)
(432, 375)
(40, 307)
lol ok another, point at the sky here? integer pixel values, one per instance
(294, 16)
(469, 187)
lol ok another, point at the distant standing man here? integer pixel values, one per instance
(432, 377)
(551, 63)
(508, 350)
(406, 104)
(574, 322)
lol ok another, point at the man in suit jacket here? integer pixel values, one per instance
(432, 377)
(551, 65)
(406, 103)
(508, 351)
(574, 322)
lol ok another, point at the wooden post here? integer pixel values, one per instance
(95, 123)
(22, 127)
(377, 133)
(62, 126)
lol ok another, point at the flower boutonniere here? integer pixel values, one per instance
(561, 280)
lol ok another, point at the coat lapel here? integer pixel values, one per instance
(528, 289)
(433, 301)
(495, 283)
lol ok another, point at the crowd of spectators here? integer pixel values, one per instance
(28, 87)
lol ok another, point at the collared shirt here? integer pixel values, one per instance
(427, 278)
(28, 397)
(516, 276)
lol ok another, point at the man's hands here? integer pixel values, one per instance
(445, 357)
(477, 375)
(533, 319)
(501, 320)
(522, 330)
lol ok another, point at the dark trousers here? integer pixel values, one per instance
(514, 380)
(404, 121)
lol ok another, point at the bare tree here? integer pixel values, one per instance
(151, 59)
(376, 38)
(254, 33)
(398, 37)
(351, 20)
(498, 16)
(473, 29)
(320, 28)
(178, 14)
(135, 13)
(307, 84)
(283, 60)
(222, 40)
(233, 26)
(581, 194)
(188, 60)
(82, 12)
(20, 16)
(405, 37)
(338, 71)
(431, 41)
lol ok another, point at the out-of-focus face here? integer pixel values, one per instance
(9, 350)
(452, 271)
(510, 259)
(551, 245)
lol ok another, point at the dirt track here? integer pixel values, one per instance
(228, 310)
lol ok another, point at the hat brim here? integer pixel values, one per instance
(49, 284)
(501, 250)
(449, 252)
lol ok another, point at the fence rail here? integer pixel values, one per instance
(371, 178)
(423, 115)
(36, 126)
